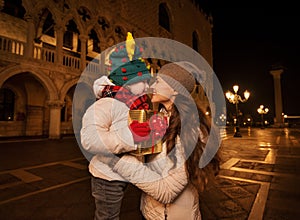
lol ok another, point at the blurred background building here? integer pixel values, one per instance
(45, 46)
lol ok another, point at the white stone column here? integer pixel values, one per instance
(278, 98)
(59, 44)
(83, 52)
(54, 121)
(30, 37)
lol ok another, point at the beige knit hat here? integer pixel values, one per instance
(177, 77)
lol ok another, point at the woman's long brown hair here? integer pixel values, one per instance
(185, 117)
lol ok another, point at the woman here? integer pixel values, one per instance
(172, 179)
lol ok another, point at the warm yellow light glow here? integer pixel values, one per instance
(228, 94)
(262, 110)
(235, 88)
(259, 110)
(247, 94)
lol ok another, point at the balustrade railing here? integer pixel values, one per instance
(11, 46)
(70, 61)
(44, 54)
(92, 67)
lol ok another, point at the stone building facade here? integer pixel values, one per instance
(46, 45)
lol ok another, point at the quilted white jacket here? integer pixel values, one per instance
(105, 129)
(165, 186)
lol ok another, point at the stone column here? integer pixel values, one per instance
(102, 57)
(30, 36)
(59, 44)
(278, 98)
(54, 121)
(83, 40)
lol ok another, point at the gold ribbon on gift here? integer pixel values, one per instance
(150, 146)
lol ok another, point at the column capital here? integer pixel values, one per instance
(83, 37)
(276, 73)
(55, 103)
(29, 18)
(60, 28)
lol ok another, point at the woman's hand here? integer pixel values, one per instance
(158, 125)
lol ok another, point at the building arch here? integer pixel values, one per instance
(39, 75)
(67, 86)
(41, 22)
(40, 5)
(20, 98)
(73, 15)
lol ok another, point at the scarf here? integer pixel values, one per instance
(122, 94)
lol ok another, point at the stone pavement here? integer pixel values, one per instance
(43, 179)
(259, 177)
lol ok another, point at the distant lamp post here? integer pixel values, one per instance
(222, 117)
(234, 98)
(262, 111)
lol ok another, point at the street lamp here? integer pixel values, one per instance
(262, 111)
(234, 98)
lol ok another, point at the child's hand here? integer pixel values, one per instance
(140, 131)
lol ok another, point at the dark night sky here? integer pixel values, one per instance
(247, 41)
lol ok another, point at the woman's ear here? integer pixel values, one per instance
(173, 96)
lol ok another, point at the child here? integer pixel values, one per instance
(105, 128)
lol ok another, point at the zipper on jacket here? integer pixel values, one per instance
(166, 212)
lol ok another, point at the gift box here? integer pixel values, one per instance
(149, 146)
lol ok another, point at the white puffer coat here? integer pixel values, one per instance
(105, 129)
(165, 186)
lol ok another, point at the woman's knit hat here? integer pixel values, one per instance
(177, 77)
(127, 65)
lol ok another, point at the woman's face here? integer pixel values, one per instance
(162, 92)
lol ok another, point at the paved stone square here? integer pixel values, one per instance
(259, 178)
